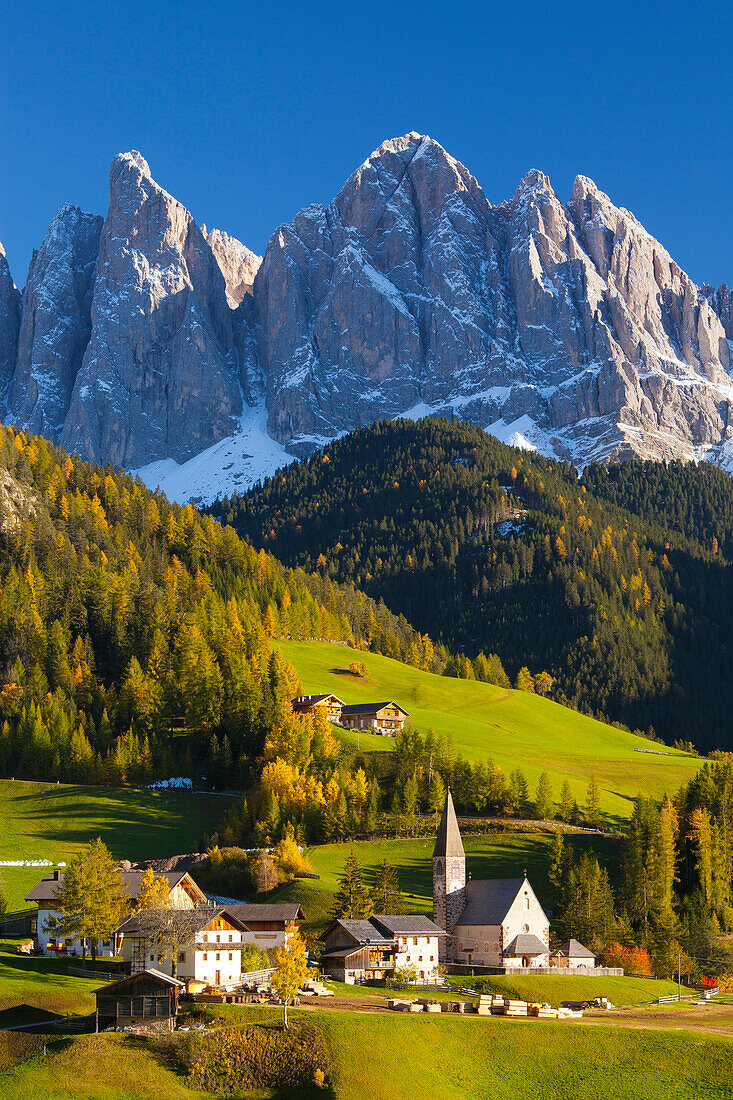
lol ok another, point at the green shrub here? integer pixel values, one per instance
(260, 1057)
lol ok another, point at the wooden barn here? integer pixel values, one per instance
(331, 704)
(139, 998)
(383, 718)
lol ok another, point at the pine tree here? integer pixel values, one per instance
(353, 900)
(593, 802)
(544, 801)
(387, 896)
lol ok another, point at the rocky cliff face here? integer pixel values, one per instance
(560, 326)
(56, 322)
(9, 325)
(159, 377)
(411, 293)
(237, 263)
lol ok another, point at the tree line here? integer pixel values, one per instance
(138, 638)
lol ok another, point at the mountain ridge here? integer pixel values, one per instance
(564, 328)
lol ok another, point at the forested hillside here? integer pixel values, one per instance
(491, 549)
(695, 499)
(136, 635)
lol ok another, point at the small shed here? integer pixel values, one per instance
(139, 998)
(572, 955)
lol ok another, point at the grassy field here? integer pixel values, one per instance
(435, 1058)
(498, 855)
(46, 821)
(558, 988)
(40, 983)
(516, 729)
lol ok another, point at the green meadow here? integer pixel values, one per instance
(397, 1056)
(513, 728)
(50, 821)
(496, 855)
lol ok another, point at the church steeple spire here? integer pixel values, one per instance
(449, 872)
(448, 841)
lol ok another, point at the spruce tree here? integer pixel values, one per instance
(387, 896)
(353, 900)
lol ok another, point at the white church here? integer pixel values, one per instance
(497, 923)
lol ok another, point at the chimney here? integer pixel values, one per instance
(56, 875)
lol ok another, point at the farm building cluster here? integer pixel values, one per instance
(386, 718)
(489, 926)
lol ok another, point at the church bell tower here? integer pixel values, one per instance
(449, 870)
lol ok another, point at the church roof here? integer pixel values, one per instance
(573, 949)
(489, 900)
(448, 841)
(526, 944)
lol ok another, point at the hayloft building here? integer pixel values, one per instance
(383, 718)
(307, 704)
(369, 950)
(183, 893)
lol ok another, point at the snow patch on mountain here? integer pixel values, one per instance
(229, 466)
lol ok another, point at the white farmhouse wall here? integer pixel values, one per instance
(105, 948)
(420, 952)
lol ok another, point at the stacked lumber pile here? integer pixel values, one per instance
(316, 989)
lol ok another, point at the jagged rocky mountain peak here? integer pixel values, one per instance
(144, 338)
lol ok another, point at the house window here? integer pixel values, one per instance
(217, 956)
(205, 956)
(181, 956)
(218, 939)
(230, 956)
(420, 958)
(230, 937)
(432, 958)
(152, 958)
(414, 940)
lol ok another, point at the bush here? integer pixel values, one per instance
(235, 1061)
(358, 668)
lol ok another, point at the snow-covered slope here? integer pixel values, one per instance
(563, 327)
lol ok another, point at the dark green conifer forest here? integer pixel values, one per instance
(617, 585)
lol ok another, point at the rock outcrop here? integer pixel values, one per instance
(9, 325)
(237, 263)
(411, 293)
(159, 377)
(56, 323)
(563, 326)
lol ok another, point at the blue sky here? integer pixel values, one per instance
(247, 112)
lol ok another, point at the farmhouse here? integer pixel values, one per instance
(265, 925)
(183, 894)
(306, 704)
(142, 998)
(384, 718)
(364, 950)
(494, 923)
(571, 955)
(211, 955)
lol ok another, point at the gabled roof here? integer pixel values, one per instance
(255, 911)
(361, 931)
(131, 883)
(526, 944)
(200, 919)
(448, 841)
(150, 972)
(371, 708)
(489, 900)
(407, 925)
(573, 949)
(314, 700)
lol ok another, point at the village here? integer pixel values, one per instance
(188, 949)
